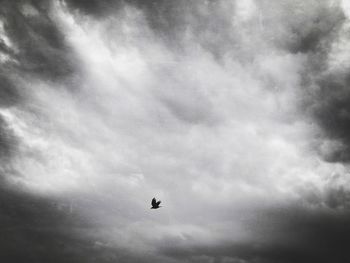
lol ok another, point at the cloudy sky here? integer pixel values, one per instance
(236, 114)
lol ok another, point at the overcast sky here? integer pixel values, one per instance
(236, 114)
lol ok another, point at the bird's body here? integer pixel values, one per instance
(155, 204)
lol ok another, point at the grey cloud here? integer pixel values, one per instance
(8, 142)
(330, 107)
(38, 228)
(9, 97)
(131, 132)
(336, 194)
(95, 8)
(300, 26)
(41, 229)
(315, 28)
(327, 99)
(9, 92)
(200, 20)
(173, 22)
(30, 45)
(38, 46)
(285, 234)
(33, 47)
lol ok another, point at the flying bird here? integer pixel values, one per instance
(155, 204)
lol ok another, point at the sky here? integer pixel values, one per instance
(236, 114)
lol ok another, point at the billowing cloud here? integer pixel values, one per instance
(232, 113)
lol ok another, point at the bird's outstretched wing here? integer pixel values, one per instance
(158, 203)
(154, 202)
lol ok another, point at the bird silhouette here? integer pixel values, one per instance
(155, 204)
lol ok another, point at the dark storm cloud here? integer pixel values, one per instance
(31, 46)
(97, 8)
(331, 110)
(32, 228)
(41, 229)
(286, 235)
(36, 227)
(330, 106)
(307, 26)
(9, 96)
(314, 29)
(8, 143)
(37, 45)
(9, 93)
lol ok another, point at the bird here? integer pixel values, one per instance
(155, 204)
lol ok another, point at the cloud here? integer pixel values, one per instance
(283, 234)
(34, 43)
(222, 110)
(325, 79)
(40, 229)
